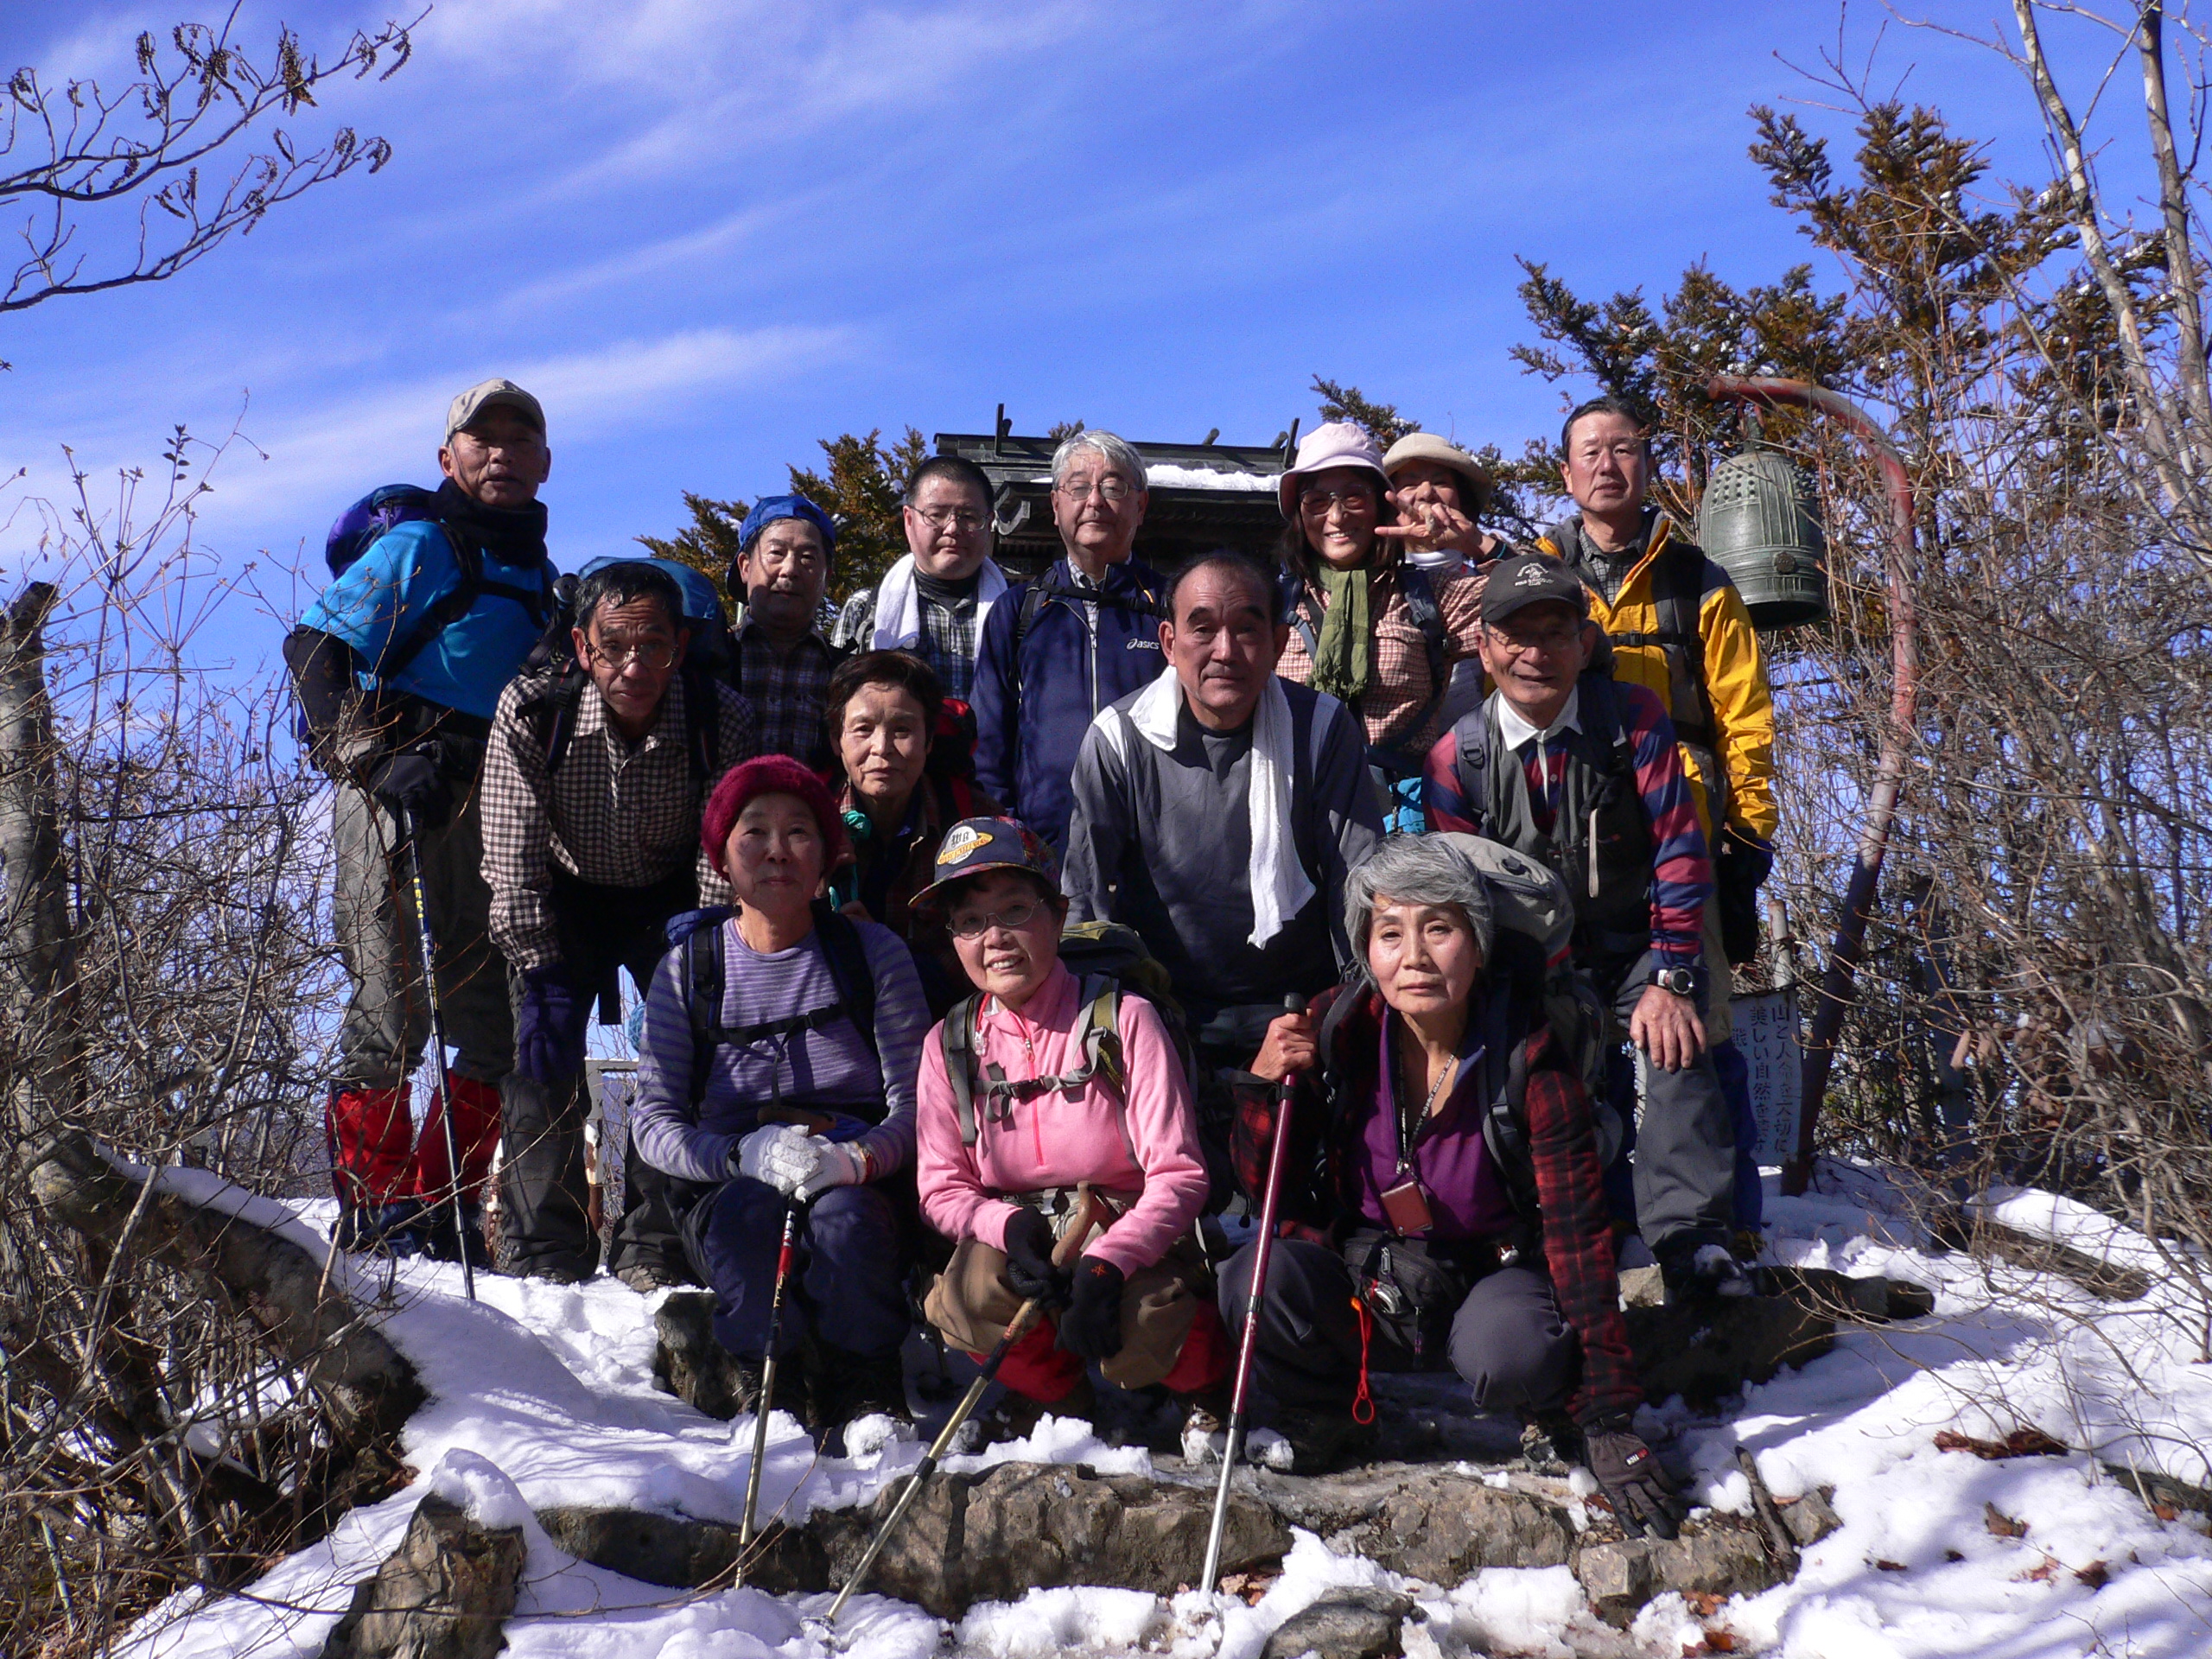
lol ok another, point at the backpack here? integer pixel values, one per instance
(697, 935)
(1106, 959)
(1534, 930)
(385, 508)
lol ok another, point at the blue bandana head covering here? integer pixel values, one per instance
(769, 508)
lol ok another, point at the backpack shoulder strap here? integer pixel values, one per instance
(552, 713)
(956, 1038)
(1291, 590)
(847, 955)
(702, 725)
(1420, 604)
(1035, 598)
(1098, 1030)
(702, 1001)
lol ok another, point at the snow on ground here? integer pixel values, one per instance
(543, 1395)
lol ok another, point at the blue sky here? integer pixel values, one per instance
(708, 232)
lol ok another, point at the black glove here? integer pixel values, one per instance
(1629, 1473)
(1091, 1327)
(413, 782)
(1029, 1269)
(549, 1025)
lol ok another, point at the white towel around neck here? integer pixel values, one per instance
(898, 604)
(1279, 884)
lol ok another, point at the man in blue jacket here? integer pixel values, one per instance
(1081, 637)
(399, 668)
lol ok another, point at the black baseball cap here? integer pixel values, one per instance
(1524, 579)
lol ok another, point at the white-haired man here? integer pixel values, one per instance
(1085, 634)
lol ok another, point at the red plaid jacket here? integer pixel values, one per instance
(1563, 1178)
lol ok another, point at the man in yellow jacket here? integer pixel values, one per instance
(1678, 625)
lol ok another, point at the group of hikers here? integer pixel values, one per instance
(991, 934)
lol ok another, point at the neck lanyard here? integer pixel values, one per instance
(1410, 1130)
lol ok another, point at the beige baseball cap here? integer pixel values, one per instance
(493, 394)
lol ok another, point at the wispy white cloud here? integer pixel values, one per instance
(325, 454)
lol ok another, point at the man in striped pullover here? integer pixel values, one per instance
(1583, 772)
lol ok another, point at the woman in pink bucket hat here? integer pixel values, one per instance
(1382, 636)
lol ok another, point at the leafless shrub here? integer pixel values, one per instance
(151, 1439)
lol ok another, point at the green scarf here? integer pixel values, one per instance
(1340, 655)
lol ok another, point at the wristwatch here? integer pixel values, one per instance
(1681, 980)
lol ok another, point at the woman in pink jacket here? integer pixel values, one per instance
(1038, 1085)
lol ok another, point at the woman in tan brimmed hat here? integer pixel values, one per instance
(1380, 635)
(1438, 489)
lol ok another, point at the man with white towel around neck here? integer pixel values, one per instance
(934, 601)
(1217, 812)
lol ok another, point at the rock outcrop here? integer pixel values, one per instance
(444, 1594)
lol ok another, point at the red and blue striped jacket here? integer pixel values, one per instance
(1681, 871)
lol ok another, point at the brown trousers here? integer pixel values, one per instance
(971, 1304)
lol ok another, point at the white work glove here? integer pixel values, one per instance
(837, 1165)
(782, 1155)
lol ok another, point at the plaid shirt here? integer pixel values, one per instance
(788, 692)
(949, 636)
(615, 814)
(1397, 673)
(1570, 1193)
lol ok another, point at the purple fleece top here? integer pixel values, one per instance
(1465, 1197)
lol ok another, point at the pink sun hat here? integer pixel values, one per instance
(1339, 443)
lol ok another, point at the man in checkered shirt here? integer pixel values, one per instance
(593, 783)
(934, 601)
(784, 659)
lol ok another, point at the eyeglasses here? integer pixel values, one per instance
(1352, 500)
(972, 925)
(1551, 641)
(967, 520)
(654, 653)
(1114, 489)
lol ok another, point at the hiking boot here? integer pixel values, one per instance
(1205, 1424)
(1551, 1444)
(858, 1401)
(645, 1278)
(440, 1242)
(1320, 1441)
(689, 1364)
(1700, 1272)
(381, 1230)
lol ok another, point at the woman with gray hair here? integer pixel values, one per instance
(1444, 1200)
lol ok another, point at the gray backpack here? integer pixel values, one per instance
(1529, 898)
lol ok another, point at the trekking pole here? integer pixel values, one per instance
(766, 1401)
(407, 823)
(1070, 1244)
(1015, 1330)
(1248, 1342)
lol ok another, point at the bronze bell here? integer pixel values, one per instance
(1757, 522)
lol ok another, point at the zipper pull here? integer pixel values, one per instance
(1590, 852)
